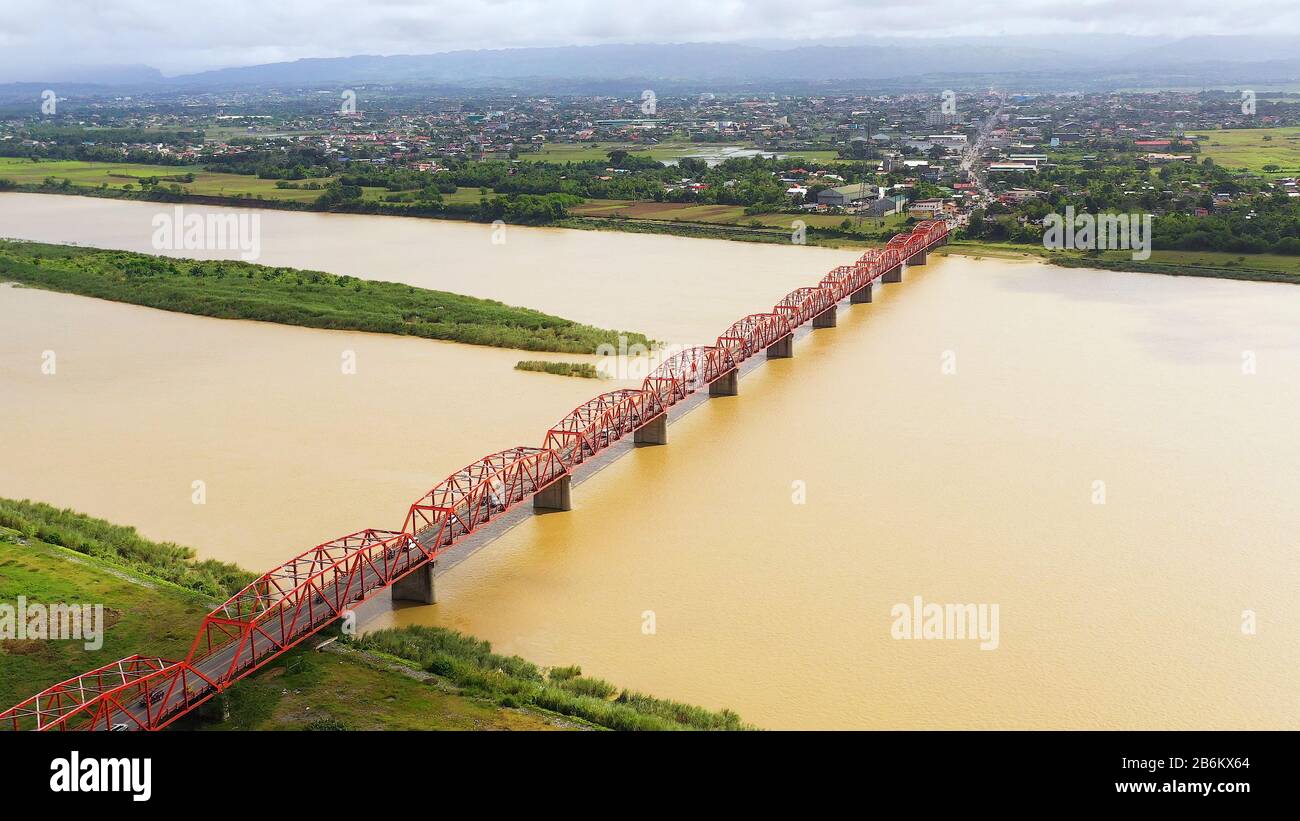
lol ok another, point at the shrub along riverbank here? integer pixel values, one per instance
(291, 296)
(578, 369)
(122, 547)
(513, 682)
(1214, 264)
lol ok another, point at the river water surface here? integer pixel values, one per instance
(1109, 458)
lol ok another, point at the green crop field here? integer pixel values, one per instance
(1254, 148)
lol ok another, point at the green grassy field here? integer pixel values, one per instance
(1254, 148)
(463, 195)
(118, 176)
(240, 290)
(143, 615)
(308, 690)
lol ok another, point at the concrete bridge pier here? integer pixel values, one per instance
(894, 274)
(783, 348)
(826, 319)
(726, 385)
(555, 496)
(417, 586)
(918, 258)
(861, 296)
(654, 432)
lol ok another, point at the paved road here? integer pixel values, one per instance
(971, 161)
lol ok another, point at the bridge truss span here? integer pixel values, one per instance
(751, 334)
(686, 372)
(600, 422)
(473, 495)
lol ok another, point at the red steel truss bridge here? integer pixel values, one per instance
(291, 602)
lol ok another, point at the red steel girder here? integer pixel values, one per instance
(473, 495)
(843, 281)
(288, 604)
(136, 692)
(802, 304)
(752, 334)
(598, 423)
(686, 372)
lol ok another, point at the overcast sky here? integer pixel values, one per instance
(38, 37)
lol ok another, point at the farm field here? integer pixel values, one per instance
(1254, 148)
(119, 175)
(1220, 259)
(206, 183)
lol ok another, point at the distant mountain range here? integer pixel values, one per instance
(1090, 59)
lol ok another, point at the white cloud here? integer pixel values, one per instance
(184, 35)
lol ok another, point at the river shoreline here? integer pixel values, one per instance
(696, 230)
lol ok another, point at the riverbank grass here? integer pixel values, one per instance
(122, 548)
(470, 664)
(1217, 264)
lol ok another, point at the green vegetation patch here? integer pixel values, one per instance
(138, 616)
(327, 691)
(132, 176)
(470, 664)
(578, 369)
(122, 547)
(291, 296)
(1218, 264)
(1272, 151)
